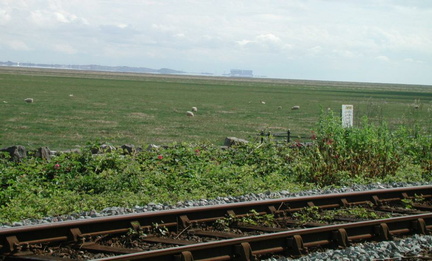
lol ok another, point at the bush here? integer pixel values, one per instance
(75, 182)
(369, 152)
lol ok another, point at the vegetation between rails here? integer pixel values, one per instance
(75, 182)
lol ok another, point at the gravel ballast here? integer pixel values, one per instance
(411, 247)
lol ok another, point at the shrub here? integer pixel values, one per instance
(74, 182)
(368, 152)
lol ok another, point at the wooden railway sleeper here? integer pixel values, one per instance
(184, 256)
(382, 231)
(231, 213)
(422, 207)
(12, 243)
(376, 200)
(345, 202)
(75, 234)
(282, 204)
(380, 202)
(273, 210)
(136, 226)
(329, 206)
(420, 226)
(184, 222)
(340, 237)
(278, 213)
(243, 252)
(295, 246)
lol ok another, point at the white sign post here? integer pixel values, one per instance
(347, 116)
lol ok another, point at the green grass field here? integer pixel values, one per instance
(72, 108)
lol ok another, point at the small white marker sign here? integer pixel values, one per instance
(347, 116)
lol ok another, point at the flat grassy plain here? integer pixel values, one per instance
(72, 108)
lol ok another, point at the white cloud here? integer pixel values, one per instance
(65, 48)
(382, 58)
(267, 42)
(315, 51)
(268, 38)
(5, 17)
(66, 18)
(163, 28)
(244, 42)
(346, 53)
(54, 18)
(41, 18)
(411, 60)
(18, 45)
(188, 34)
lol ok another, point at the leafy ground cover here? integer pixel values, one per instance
(74, 182)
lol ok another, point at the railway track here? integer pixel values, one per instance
(240, 231)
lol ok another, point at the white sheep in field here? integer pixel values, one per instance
(194, 109)
(29, 100)
(296, 107)
(190, 114)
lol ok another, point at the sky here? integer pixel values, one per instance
(385, 41)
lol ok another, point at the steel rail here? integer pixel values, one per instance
(12, 239)
(290, 243)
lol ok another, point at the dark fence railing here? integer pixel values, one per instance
(287, 137)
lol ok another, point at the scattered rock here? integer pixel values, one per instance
(43, 153)
(104, 148)
(152, 147)
(230, 141)
(17, 153)
(107, 148)
(128, 148)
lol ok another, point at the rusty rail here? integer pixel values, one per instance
(290, 243)
(13, 239)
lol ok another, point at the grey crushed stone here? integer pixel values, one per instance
(412, 247)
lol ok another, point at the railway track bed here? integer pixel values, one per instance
(240, 231)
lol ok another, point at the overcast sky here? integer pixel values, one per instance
(344, 40)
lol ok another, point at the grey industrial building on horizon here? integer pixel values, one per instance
(241, 73)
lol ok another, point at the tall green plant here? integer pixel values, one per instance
(340, 155)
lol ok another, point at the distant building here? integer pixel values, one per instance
(241, 73)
